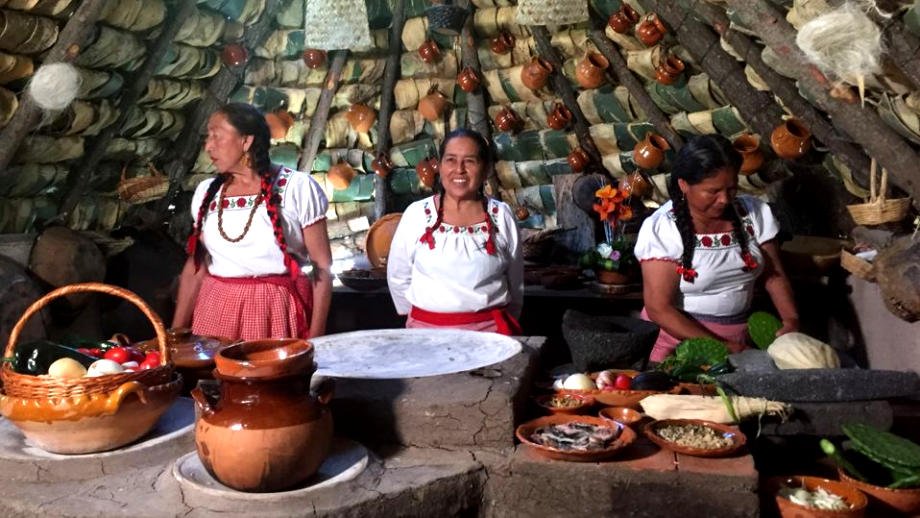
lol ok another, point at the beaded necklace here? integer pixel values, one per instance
(220, 218)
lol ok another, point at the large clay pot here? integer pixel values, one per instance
(559, 118)
(624, 19)
(503, 43)
(649, 153)
(669, 69)
(590, 71)
(791, 139)
(578, 160)
(508, 120)
(651, 30)
(260, 429)
(468, 79)
(340, 175)
(748, 146)
(535, 74)
(382, 165)
(427, 170)
(432, 106)
(361, 117)
(429, 51)
(314, 58)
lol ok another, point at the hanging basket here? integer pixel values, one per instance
(551, 12)
(878, 209)
(336, 24)
(142, 189)
(446, 19)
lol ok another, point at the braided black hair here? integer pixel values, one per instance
(700, 158)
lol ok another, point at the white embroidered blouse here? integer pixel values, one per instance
(457, 275)
(302, 203)
(724, 287)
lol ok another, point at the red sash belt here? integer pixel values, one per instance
(300, 288)
(505, 323)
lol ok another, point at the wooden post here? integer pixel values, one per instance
(387, 105)
(70, 43)
(863, 125)
(626, 78)
(570, 216)
(318, 124)
(79, 177)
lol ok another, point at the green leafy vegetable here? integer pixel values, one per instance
(695, 356)
(762, 327)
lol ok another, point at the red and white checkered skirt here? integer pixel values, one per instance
(273, 306)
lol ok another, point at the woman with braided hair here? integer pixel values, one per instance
(456, 260)
(257, 228)
(703, 252)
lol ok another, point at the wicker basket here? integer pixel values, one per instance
(857, 266)
(41, 387)
(879, 210)
(142, 189)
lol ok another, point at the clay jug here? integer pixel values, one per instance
(590, 71)
(535, 74)
(503, 43)
(432, 106)
(578, 160)
(749, 147)
(468, 79)
(279, 122)
(649, 153)
(508, 120)
(382, 165)
(314, 58)
(559, 118)
(427, 170)
(636, 185)
(791, 139)
(669, 69)
(651, 30)
(340, 175)
(361, 117)
(234, 55)
(624, 19)
(259, 428)
(429, 51)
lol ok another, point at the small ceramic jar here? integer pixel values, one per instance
(559, 118)
(535, 74)
(508, 120)
(234, 55)
(636, 185)
(340, 175)
(503, 43)
(429, 51)
(382, 165)
(624, 19)
(314, 58)
(361, 117)
(590, 71)
(649, 153)
(669, 70)
(432, 106)
(791, 139)
(427, 170)
(578, 160)
(468, 80)
(651, 30)
(752, 157)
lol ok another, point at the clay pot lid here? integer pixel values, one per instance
(267, 359)
(379, 237)
(187, 350)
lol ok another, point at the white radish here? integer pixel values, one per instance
(710, 408)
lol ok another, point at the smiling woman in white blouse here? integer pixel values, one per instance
(456, 260)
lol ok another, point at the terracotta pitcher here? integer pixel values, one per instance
(578, 159)
(749, 147)
(427, 170)
(361, 117)
(649, 153)
(382, 165)
(432, 106)
(468, 79)
(791, 139)
(669, 69)
(340, 175)
(624, 19)
(259, 428)
(590, 71)
(651, 30)
(314, 58)
(503, 43)
(429, 51)
(508, 120)
(535, 74)
(559, 118)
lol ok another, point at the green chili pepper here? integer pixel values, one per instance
(35, 357)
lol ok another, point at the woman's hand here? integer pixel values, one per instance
(790, 325)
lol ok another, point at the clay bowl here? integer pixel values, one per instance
(738, 439)
(905, 501)
(789, 509)
(269, 358)
(364, 280)
(621, 414)
(91, 423)
(625, 438)
(565, 403)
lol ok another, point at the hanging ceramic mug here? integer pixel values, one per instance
(535, 74)
(651, 30)
(748, 145)
(427, 170)
(669, 69)
(503, 43)
(578, 160)
(649, 153)
(314, 58)
(429, 51)
(468, 80)
(624, 19)
(361, 117)
(432, 106)
(508, 120)
(559, 118)
(636, 184)
(590, 71)
(382, 165)
(791, 139)
(234, 55)
(340, 175)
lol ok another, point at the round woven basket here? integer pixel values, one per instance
(44, 386)
(142, 189)
(878, 209)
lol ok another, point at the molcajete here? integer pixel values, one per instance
(259, 427)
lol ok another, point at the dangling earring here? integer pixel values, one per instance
(246, 160)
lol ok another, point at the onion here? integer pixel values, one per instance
(578, 382)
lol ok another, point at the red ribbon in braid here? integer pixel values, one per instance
(271, 205)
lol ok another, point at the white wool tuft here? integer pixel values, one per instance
(54, 86)
(844, 42)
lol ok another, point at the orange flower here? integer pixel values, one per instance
(612, 204)
(625, 212)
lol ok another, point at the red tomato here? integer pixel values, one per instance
(136, 355)
(623, 382)
(117, 354)
(95, 351)
(152, 360)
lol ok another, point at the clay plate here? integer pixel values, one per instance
(379, 237)
(625, 438)
(621, 414)
(584, 403)
(789, 509)
(738, 438)
(906, 500)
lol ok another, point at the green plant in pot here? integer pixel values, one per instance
(612, 260)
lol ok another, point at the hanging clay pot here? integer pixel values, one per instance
(432, 106)
(559, 118)
(429, 51)
(314, 58)
(578, 160)
(468, 79)
(791, 139)
(361, 117)
(340, 175)
(636, 184)
(503, 43)
(749, 147)
(669, 69)
(535, 74)
(649, 153)
(508, 120)
(624, 19)
(382, 165)
(279, 122)
(590, 71)
(427, 170)
(234, 55)
(651, 30)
